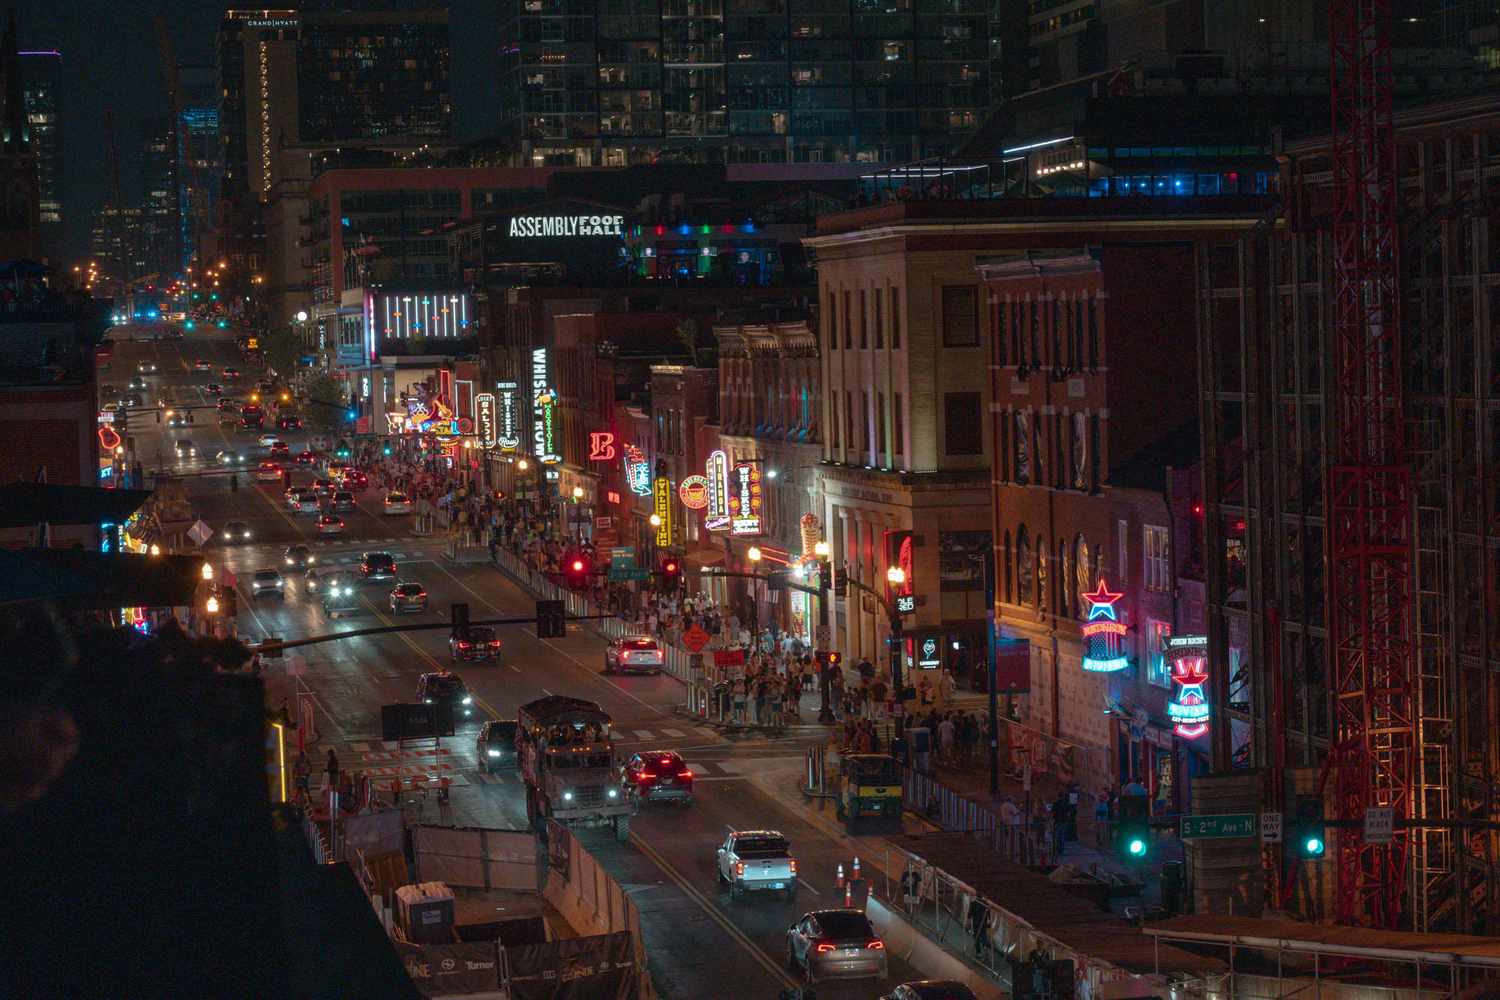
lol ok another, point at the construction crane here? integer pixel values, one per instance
(1374, 751)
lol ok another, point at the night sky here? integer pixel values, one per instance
(110, 57)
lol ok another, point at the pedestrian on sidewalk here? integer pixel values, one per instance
(946, 734)
(332, 768)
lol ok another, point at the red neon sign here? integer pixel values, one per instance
(602, 446)
(109, 439)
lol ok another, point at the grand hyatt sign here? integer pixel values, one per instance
(567, 225)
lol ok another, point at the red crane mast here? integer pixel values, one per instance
(1369, 484)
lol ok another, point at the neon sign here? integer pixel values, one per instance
(566, 225)
(718, 490)
(637, 472)
(744, 501)
(693, 492)
(602, 446)
(662, 507)
(1188, 655)
(508, 439)
(540, 401)
(109, 438)
(484, 415)
(1103, 632)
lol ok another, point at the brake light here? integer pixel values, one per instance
(495, 643)
(739, 867)
(825, 947)
(790, 861)
(684, 773)
(647, 776)
(463, 645)
(875, 945)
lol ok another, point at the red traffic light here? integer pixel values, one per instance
(670, 566)
(578, 565)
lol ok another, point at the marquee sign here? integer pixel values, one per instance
(602, 446)
(508, 438)
(484, 419)
(662, 507)
(637, 471)
(693, 492)
(744, 501)
(717, 515)
(1188, 656)
(1103, 632)
(552, 226)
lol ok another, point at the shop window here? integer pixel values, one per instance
(848, 321)
(1156, 634)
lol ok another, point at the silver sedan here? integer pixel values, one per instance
(836, 944)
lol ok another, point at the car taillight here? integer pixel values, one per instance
(495, 643)
(875, 944)
(646, 776)
(739, 867)
(792, 862)
(463, 645)
(825, 947)
(685, 775)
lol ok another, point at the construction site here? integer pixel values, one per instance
(1350, 380)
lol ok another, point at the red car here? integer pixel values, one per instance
(478, 642)
(308, 457)
(354, 479)
(659, 774)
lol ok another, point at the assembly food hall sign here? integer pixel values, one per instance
(552, 226)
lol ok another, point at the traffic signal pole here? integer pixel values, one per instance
(277, 647)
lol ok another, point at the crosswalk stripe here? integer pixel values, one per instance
(697, 769)
(361, 747)
(642, 734)
(673, 732)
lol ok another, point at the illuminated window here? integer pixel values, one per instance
(1155, 636)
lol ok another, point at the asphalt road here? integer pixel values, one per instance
(699, 942)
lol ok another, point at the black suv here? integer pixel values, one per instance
(446, 688)
(496, 746)
(378, 566)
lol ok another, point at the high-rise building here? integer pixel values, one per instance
(118, 242)
(41, 82)
(159, 194)
(747, 81)
(327, 77)
(199, 153)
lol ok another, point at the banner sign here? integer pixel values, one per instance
(1103, 632)
(744, 500)
(1188, 655)
(587, 968)
(717, 515)
(484, 419)
(662, 507)
(693, 492)
(508, 438)
(637, 471)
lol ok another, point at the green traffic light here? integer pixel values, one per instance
(1313, 847)
(1136, 847)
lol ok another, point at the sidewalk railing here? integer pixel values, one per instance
(924, 794)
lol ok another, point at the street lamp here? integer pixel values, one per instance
(212, 607)
(820, 645)
(577, 493)
(155, 549)
(301, 315)
(820, 549)
(521, 465)
(208, 572)
(754, 555)
(654, 520)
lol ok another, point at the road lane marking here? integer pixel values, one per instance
(807, 885)
(754, 950)
(642, 734)
(299, 685)
(406, 638)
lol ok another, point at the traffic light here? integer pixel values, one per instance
(671, 573)
(551, 620)
(1133, 831)
(1308, 827)
(577, 569)
(385, 450)
(222, 325)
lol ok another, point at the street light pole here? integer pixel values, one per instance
(896, 576)
(825, 678)
(754, 556)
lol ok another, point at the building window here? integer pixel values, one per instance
(895, 319)
(1122, 551)
(998, 310)
(849, 419)
(1083, 574)
(878, 301)
(1080, 452)
(848, 321)
(1156, 635)
(1007, 595)
(960, 323)
(1024, 568)
(963, 434)
(837, 423)
(898, 430)
(1023, 447)
(833, 321)
(880, 428)
(1158, 569)
(1093, 323)
(864, 321)
(864, 424)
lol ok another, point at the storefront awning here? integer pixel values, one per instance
(26, 504)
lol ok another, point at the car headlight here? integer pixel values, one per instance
(614, 793)
(312, 559)
(427, 701)
(567, 796)
(245, 535)
(468, 700)
(493, 753)
(288, 560)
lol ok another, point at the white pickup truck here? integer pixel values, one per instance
(757, 859)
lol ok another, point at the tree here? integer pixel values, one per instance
(326, 404)
(281, 347)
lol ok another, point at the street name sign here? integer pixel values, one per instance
(1228, 825)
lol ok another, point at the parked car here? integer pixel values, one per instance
(477, 642)
(397, 502)
(408, 596)
(634, 653)
(235, 532)
(754, 860)
(658, 774)
(496, 745)
(836, 944)
(267, 582)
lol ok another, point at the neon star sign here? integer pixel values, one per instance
(1188, 709)
(1103, 632)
